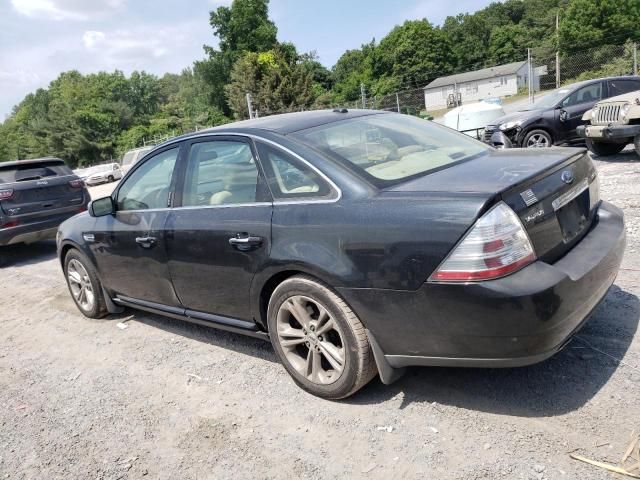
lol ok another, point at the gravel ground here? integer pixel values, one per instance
(164, 399)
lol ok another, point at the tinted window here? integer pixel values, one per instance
(590, 93)
(288, 177)
(30, 171)
(220, 172)
(148, 186)
(620, 87)
(391, 147)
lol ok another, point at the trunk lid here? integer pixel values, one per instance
(553, 191)
(38, 188)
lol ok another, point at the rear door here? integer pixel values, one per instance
(38, 190)
(221, 234)
(130, 246)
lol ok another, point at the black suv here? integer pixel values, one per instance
(553, 119)
(35, 197)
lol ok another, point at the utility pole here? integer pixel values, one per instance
(249, 106)
(363, 94)
(398, 102)
(530, 70)
(558, 50)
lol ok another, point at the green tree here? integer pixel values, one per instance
(589, 23)
(243, 27)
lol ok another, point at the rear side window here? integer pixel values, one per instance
(290, 178)
(620, 87)
(31, 171)
(222, 172)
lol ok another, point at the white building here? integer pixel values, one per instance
(498, 81)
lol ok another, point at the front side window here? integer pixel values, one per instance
(149, 185)
(389, 148)
(588, 94)
(290, 178)
(221, 172)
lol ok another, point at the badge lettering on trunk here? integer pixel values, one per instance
(529, 197)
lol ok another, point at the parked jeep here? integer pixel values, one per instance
(612, 124)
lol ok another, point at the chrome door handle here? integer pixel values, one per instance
(244, 241)
(146, 242)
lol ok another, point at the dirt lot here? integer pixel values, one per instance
(165, 399)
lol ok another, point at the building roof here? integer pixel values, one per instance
(497, 71)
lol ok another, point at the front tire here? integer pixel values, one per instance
(110, 178)
(604, 149)
(84, 286)
(537, 139)
(319, 339)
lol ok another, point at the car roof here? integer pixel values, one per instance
(284, 123)
(595, 80)
(31, 161)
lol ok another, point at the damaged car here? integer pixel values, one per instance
(555, 117)
(357, 242)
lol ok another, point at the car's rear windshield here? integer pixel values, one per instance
(390, 148)
(32, 171)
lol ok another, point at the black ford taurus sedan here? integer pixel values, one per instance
(358, 242)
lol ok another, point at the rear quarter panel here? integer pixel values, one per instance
(394, 240)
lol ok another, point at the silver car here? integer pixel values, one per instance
(103, 174)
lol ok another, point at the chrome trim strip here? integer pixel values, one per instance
(569, 195)
(301, 201)
(275, 144)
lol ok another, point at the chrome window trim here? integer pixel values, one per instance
(281, 147)
(300, 201)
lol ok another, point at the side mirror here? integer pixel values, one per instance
(101, 207)
(563, 115)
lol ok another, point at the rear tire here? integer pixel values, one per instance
(604, 149)
(84, 286)
(636, 144)
(537, 139)
(319, 339)
(110, 178)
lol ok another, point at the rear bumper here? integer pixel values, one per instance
(606, 132)
(35, 230)
(517, 320)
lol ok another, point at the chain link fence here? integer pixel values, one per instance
(549, 70)
(603, 61)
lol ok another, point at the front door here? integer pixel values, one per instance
(573, 108)
(220, 234)
(129, 246)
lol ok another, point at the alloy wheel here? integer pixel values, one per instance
(80, 285)
(311, 339)
(538, 140)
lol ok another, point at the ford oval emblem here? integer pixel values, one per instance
(567, 176)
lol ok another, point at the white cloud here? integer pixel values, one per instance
(124, 46)
(66, 9)
(92, 38)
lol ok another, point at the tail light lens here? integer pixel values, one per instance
(6, 194)
(496, 246)
(76, 183)
(10, 224)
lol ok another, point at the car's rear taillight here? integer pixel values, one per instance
(6, 194)
(496, 246)
(76, 183)
(10, 224)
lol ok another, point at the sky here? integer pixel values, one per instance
(39, 39)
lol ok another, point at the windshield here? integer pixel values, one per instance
(389, 148)
(550, 99)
